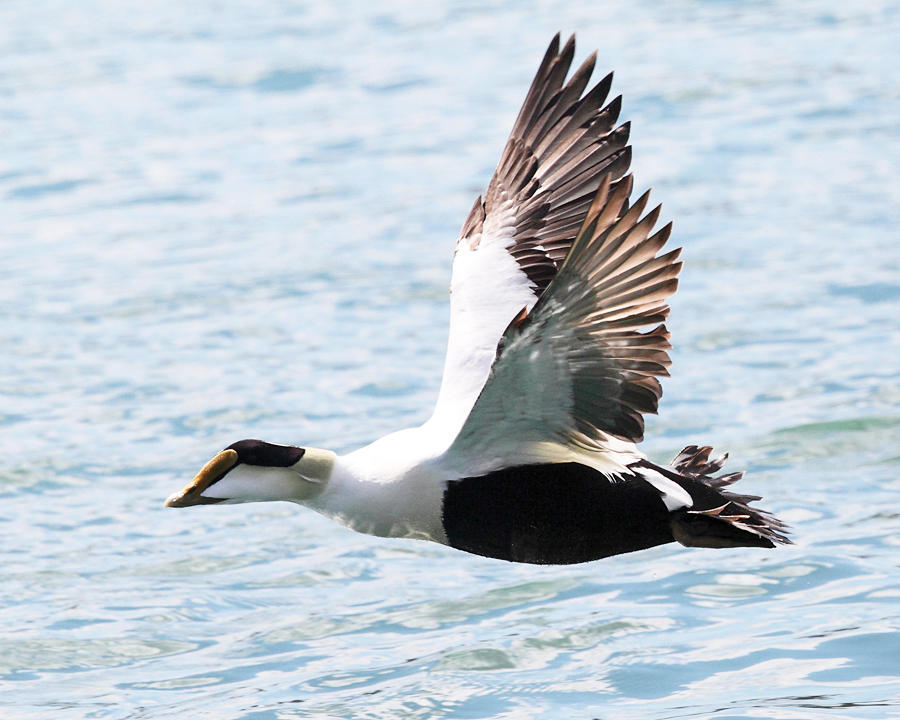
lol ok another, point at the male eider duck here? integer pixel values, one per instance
(558, 298)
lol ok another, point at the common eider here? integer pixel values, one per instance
(558, 299)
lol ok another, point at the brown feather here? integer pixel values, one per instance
(590, 254)
(562, 146)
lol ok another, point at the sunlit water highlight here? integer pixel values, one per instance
(235, 220)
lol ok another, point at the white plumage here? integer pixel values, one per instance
(558, 298)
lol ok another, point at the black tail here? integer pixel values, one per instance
(718, 518)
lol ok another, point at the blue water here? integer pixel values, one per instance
(229, 220)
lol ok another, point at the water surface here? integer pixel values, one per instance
(230, 221)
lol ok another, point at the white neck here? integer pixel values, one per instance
(388, 488)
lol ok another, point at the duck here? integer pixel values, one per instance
(557, 341)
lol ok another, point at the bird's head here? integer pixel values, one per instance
(253, 470)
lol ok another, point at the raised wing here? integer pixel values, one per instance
(516, 237)
(577, 371)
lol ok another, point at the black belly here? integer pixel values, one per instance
(553, 514)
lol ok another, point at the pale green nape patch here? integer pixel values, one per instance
(316, 464)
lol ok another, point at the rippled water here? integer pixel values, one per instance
(235, 220)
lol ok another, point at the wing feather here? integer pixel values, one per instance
(581, 368)
(515, 238)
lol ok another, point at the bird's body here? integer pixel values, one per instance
(558, 297)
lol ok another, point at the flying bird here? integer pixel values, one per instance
(557, 303)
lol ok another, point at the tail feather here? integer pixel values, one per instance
(694, 460)
(718, 517)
